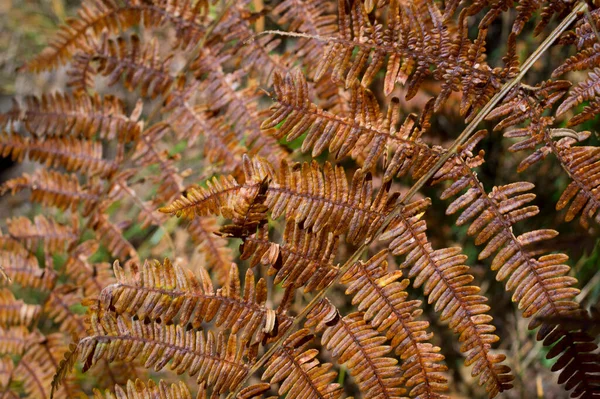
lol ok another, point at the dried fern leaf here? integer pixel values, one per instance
(311, 17)
(220, 362)
(75, 155)
(96, 16)
(170, 292)
(579, 162)
(53, 235)
(140, 65)
(365, 131)
(140, 390)
(54, 189)
(111, 234)
(317, 198)
(75, 115)
(304, 258)
(584, 91)
(239, 106)
(90, 277)
(357, 345)
(14, 312)
(58, 307)
(221, 145)
(386, 307)
(22, 267)
(298, 371)
(446, 283)
(15, 340)
(541, 285)
(255, 54)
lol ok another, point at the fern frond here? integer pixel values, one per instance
(54, 236)
(139, 390)
(221, 362)
(15, 340)
(54, 189)
(75, 155)
(304, 258)
(22, 268)
(167, 292)
(357, 345)
(249, 52)
(170, 179)
(317, 198)
(96, 16)
(14, 312)
(91, 277)
(140, 65)
(111, 234)
(542, 287)
(386, 307)
(580, 163)
(584, 91)
(75, 115)
(220, 142)
(311, 17)
(204, 201)
(364, 132)
(299, 372)
(58, 307)
(239, 106)
(446, 283)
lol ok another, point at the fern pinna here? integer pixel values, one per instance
(287, 162)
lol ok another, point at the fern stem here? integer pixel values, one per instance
(460, 140)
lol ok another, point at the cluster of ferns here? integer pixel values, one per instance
(228, 200)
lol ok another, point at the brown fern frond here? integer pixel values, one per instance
(446, 283)
(310, 17)
(221, 145)
(214, 248)
(239, 106)
(248, 212)
(75, 155)
(35, 373)
(316, 197)
(221, 362)
(583, 193)
(75, 115)
(58, 307)
(54, 236)
(298, 371)
(139, 65)
(111, 234)
(303, 258)
(357, 345)
(15, 340)
(167, 292)
(580, 163)
(54, 189)
(204, 201)
(365, 131)
(14, 312)
(541, 285)
(383, 300)
(251, 53)
(91, 277)
(584, 91)
(22, 267)
(96, 16)
(140, 390)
